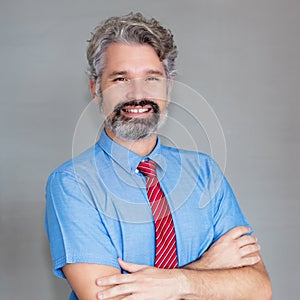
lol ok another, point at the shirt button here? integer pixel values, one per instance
(136, 171)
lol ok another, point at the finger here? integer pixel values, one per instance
(130, 267)
(238, 231)
(116, 291)
(249, 249)
(251, 260)
(114, 279)
(129, 297)
(246, 240)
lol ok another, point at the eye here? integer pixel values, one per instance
(119, 79)
(152, 78)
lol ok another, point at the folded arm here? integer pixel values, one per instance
(249, 282)
(234, 249)
(230, 269)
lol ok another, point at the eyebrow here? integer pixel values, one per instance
(154, 72)
(116, 73)
(148, 72)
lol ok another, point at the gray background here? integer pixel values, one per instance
(242, 56)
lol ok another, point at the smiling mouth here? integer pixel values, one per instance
(136, 110)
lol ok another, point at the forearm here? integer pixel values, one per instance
(82, 278)
(250, 282)
(231, 268)
(144, 282)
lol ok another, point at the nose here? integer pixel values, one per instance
(136, 89)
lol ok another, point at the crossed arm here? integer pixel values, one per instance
(230, 269)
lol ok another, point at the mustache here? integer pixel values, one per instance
(144, 102)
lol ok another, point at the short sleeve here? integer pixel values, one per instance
(227, 212)
(74, 227)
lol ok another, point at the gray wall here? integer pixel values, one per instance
(242, 56)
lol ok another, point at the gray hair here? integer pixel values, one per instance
(133, 28)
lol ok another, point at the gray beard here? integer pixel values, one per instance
(135, 128)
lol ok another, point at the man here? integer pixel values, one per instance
(126, 218)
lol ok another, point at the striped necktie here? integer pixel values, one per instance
(165, 253)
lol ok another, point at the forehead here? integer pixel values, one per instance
(131, 57)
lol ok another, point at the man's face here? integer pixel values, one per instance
(134, 90)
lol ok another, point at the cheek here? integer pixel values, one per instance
(163, 103)
(110, 98)
(157, 91)
(108, 106)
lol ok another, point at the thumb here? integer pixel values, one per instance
(130, 267)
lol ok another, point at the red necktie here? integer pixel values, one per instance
(165, 254)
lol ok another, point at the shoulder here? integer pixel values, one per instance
(193, 163)
(77, 167)
(187, 155)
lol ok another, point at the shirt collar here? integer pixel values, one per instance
(128, 159)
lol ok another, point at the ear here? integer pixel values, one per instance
(93, 86)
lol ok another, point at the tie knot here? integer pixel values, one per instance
(147, 168)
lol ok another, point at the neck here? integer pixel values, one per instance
(141, 147)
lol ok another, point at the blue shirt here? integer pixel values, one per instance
(97, 207)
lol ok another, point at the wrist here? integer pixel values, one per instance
(184, 284)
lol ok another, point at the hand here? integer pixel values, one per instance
(233, 249)
(142, 283)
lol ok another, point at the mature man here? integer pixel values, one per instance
(125, 219)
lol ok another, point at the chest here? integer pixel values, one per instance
(129, 223)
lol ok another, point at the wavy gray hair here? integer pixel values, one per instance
(133, 28)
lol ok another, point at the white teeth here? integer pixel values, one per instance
(137, 110)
